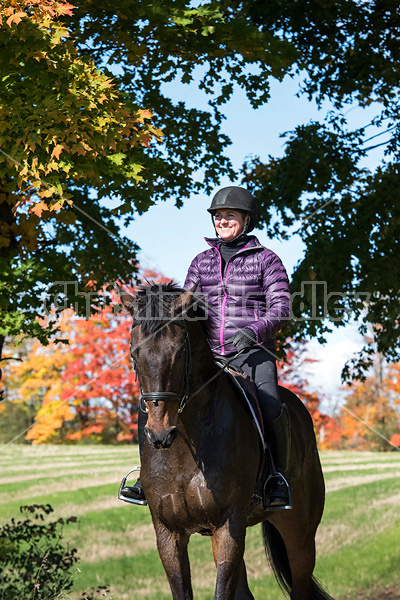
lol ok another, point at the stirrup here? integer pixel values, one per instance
(265, 495)
(126, 498)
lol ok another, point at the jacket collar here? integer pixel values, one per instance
(252, 243)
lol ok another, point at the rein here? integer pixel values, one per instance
(183, 397)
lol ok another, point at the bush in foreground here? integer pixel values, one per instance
(34, 562)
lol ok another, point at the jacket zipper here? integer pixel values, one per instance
(228, 266)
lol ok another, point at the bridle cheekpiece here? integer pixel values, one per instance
(183, 395)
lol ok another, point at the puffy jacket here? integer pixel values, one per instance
(252, 292)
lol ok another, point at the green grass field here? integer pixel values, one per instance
(358, 542)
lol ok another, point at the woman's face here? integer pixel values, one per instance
(229, 223)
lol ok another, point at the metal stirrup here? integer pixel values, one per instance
(125, 498)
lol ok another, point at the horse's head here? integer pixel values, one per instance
(160, 350)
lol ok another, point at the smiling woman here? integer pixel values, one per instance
(247, 290)
(229, 224)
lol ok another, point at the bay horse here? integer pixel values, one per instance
(201, 456)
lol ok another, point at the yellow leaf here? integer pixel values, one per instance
(56, 206)
(15, 18)
(65, 9)
(48, 193)
(57, 151)
(38, 208)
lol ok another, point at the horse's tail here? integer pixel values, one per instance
(275, 550)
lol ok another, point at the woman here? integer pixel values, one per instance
(247, 291)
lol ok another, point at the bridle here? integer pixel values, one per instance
(183, 395)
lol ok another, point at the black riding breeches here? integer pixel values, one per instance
(260, 365)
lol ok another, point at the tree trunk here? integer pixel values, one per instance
(7, 220)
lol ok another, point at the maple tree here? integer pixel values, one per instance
(36, 382)
(100, 379)
(395, 439)
(67, 140)
(86, 389)
(210, 45)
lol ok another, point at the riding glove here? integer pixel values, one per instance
(244, 338)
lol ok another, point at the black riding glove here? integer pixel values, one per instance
(244, 338)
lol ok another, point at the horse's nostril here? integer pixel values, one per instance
(170, 437)
(163, 439)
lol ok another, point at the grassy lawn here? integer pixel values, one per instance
(358, 542)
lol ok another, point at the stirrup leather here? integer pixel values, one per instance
(126, 498)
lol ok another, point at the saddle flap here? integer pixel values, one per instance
(248, 391)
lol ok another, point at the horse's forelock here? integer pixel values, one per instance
(155, 304)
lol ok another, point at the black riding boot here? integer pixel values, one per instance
(136, 491)
(279, 437)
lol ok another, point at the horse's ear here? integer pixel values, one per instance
(128, 301)
(184, 301)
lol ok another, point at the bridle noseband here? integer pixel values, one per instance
(183, 395)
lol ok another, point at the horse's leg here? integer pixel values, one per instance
(229, 539)
(172, 548)
(243, 591)
(301, 557)
(300, 550)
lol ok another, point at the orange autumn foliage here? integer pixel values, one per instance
(395, 439)
(88, 388)
(371, 413)
(40, 383)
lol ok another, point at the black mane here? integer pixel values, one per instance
(155, 305)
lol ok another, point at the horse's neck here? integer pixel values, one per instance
(206, 379)
(203, 364)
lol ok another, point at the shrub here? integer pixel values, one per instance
(34, 562)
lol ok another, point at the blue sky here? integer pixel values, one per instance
(170, 238)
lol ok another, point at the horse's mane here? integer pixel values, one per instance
(155, 305)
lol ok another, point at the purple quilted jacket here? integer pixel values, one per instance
(252, 292)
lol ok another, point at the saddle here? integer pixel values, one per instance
(266, 466)
(248, 391)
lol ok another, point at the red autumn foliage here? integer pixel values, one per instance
(395, 439)
(292, 375)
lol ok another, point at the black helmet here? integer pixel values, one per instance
(237, 198)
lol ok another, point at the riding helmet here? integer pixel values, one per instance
(237, 198)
